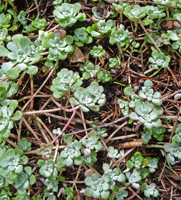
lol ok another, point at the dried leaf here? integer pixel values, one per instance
(77, 56)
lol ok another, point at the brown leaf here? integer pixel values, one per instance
(88, 172)
(60, 32)
(77, 56)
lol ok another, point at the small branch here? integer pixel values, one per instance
(51, 72)
(32, 131)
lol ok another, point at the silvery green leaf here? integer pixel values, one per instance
(134, 116)
(105, 194)
(88, 192)
(7, 65)
(24, 42)
(157, 123)
(35, 57)
(32, 69)
(157, 102)
(148, 125)
(21, 66)
(13, 73)
(158, 110)
(148, 83)
(12, 46)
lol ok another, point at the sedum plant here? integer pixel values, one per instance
(98, 51)
(100, 186)
(4, 37)
(121, 194)
(71, 153)
(134, 13)
(113, 153)
(145, 111)
(89, 70)
(68, 191)
(159, 60)
(7, 117)
(24, 179)
(89, 157)
(147, 114)
(100, 132)
(173, 152)
(134, 178)
(88, 98)
(150, 190)
(120, 37)
(105, 27)
(100, 12)
(141, 168)
(114, 62)
(11, 165)
(155, 131)
(155, 12)
(25, 145)
(49, 169)
(104, 76)
(7, 89)
(39, 23)
(124, 106)
(58, 2)
(66, 81)
(5, 20)
(101, 28)
(136, 161)
(92, 142)
(51, 185)
(21, 55)
(81, 36)
(22, 17)
(148, 93)
(68, 14)
(156, 38)
(58, 49)
(174, 149)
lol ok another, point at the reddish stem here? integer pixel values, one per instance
(71, 118)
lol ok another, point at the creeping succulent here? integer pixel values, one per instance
(97, 51)
(4, 20)
(147, 114)
(174, 151)
(39, 23)
(49, 169)
(59, 49)
(89, 70)
(114, 62)
(159, 60)
(134, 13)
(99, 186)
(7, 117)
(21, 55)
(65, 81)
(150, 190)
(100, 12)
(4, 37)
(120, 37)
(72, 153)
(92, 142)
(68, 14)
(81, 36)
(105, 27)
(89, 97)
(148, 93)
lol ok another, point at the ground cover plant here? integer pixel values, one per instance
(90, 99)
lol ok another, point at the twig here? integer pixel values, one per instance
(51, 72)
(32, 131)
